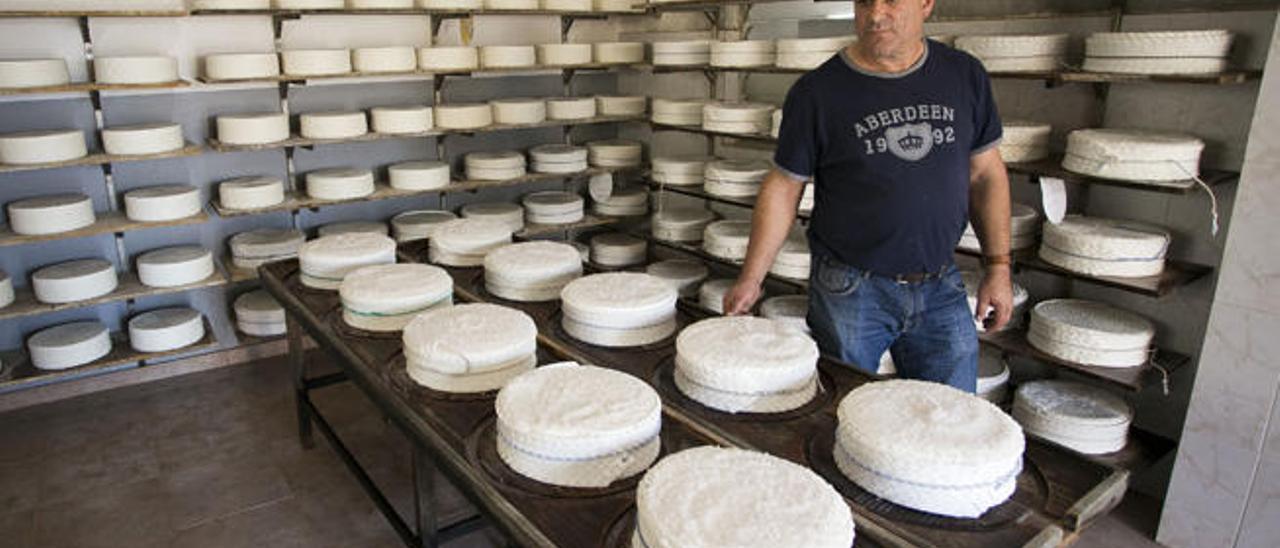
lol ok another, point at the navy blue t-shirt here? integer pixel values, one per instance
(889, 154)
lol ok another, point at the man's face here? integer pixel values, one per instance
(886, 27)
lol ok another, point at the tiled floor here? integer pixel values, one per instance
(212, 459)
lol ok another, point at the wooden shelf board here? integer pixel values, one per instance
(1052, 167)
(112, 222)
(25, 374)
(1176, 274)
(697, 191)
(588, 221)
(696, 251)
(236, 274)
(82, 87)
(697, 129)
(130, 288)
(94, 13)
(514, 71)
(702, 5)
(100, 158)
(1228, 78)
(444, 13)
(1014, 341)
(1143, 451)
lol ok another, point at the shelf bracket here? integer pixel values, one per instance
(566, 25)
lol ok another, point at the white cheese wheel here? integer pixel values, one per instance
(259, 246)
(678, 112)
(494, 166)
(531, 271)
(684, 275)
(402, 120)
(380, 4)
(743, 53)
(1214, 43)
(1105, 247)
(618, 309)
(618, 6)
(735, 178)
(553, 207)
(165, 329)
(250, 192)
(566, 5)
(727, 239)
(1133, 155)
(162, 203)
(253, 129)
(352, 227)
(713, 496)
(309, 4)
(503, 213)
(571, 108)
(419, 175)
(510, 4)
(711, 294)
(1025, 141)
(449, 58)
(6, 289)
(624, 202)
(615, 153)
(1090, 333)
(175, 266)
(142, 139)
(682, 53)
(993, 376)
(464, 115)
(746, 364)
(465, 242)
(339, 183)
(241, 66)
(411, 226)
(386, 298)
(755, 118)
(451, 4)
(558, 158)
(384, 59)
(1074, 415)
(258, 314)
(793, 258)
(469, 347)
(326, 261)
(679, 170)
(564, 55)
(617, 53)
(215, 5)
(789, 310)
(986, 47)
(69, 345)
(614, 249)
(508, 56)
(39, 147)
(135, 70)
(681, 224)
(1156, 65)
(50, 214)
(809, 53)
(519, 111)
(35, 73)
(333, 125)
(1023, 64)
(73, 281)
(620, 105)
(929, 447)
(316, 62)
(578, 426)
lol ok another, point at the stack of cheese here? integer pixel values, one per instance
(340, 183)
(1164, 52)
(1024, 230)
(402, 120)
(711, 294)
(241, 66)
(469, 348)
(52, 214)
(333, 124)
(260, 246)
(352, 227)
(137, 140)
(135, 69)
(558, 158)
(1105, 247)
(1074, 415)
(809, 53)
(679, 170)
(1157, 158)
(746, 364)
(578, 426)
(382, 60)
(681, 224)
(162, 203)
(620, 105)
(682, 53)
(571, 108)
(564, 55)
(1017, 53)
(790, 310)
(463, 116)
(326, 261)
(624, 202)
(165, 329)
(6, 289)
(531, 271)
(551, 207)
(465, 242)
(713, 496)
(494, 166)
(419, 175)
(735, 178)
(742, 118)
(175, 266)
(793, 260)
(252, 129)
(678, 112)
(727, 239)
(73, 281)
(743, 53)
(386, 297)
(619, 309)
(518, 111)
(411, 226)
(316, 62)
(69, 345)
(248, 193)
(506, 214)
(993, 375)
(928, 447)
(615, 153)
(618, 6)
(39, 147)
(973, 279)
(684, 275)
(617, 53)
(1090, 333)
(33, 73)
(1024, 141)
(258, 314)
(617, 250)
(448, 58)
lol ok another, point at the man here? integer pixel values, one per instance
(900, 135)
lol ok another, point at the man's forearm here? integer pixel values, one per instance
(989, 205)
(774, 213)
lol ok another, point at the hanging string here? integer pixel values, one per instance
(1213, 198)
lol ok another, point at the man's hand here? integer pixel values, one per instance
(741, 297)
(995, 298)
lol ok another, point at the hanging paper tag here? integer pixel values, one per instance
(1053, 198)
(600, 187)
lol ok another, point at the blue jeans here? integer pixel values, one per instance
(927, 327)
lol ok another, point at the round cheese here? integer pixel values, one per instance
(333, 125)
(259, 246)
(387, 297)
(464, 115)
(681, 224)
(743, 53)
(711, 294)
(253, 129)
(617, 53)
(789, 310)
(384, 59)
(258, 314)
(564, 55)
(553, 207)
(1105, 247)
(448, 58)
(679, 170)
(36, 73)
(74, 281)
(142, 139)
(1214, 43)
(793, 260)
(678, 112)
(494, 166)
(469, 347)
(162, 203)
(135, 70)
(1133, 155)
(309, 4)
(175, 266)
(511, 4)
(419, 175)
(250, 193)
(401, 120)
(618, 309)
(683, 275)
(241, 66)
(492, 57)
(316, 62)
(614, 249)
(519, 111)
(339, 183)
(624, 202)
(615, 153)
(558, 158)
(165, 329)
(756, 118)
(1024, 141)
(69, 345)
(215, 5)
(620, 105)
(1090, 333)
(682, 53)
(40, 147)
(566, 5)
(1074, 415)
(50, 214)
(465, 242)
(326, 261)
(746, 364)
(418, 225)
(352, 227)
(618, 6)
(506, 214)
(571, 108)
(727, 239)
(531, 271)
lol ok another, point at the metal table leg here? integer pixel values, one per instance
(298, 360)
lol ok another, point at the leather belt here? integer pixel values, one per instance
(915, 277)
